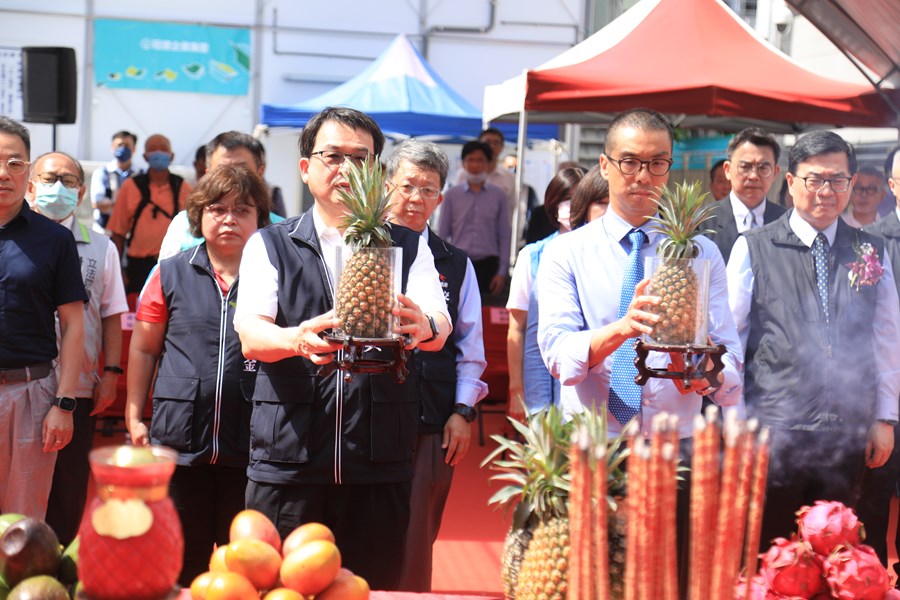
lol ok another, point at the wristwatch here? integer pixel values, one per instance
(466, 411)
(434, 330)
(113, 369)
(65, 403)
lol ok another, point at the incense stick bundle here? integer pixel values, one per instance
(647, 533)
(577, 529)
(632, 500)
(601, 524)
(735, 550)
(669, 568)
(755, 511)
(722, 580)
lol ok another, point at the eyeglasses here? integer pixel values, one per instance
(426, 193)
(70, 181)
(632, 166)
(762, 169)
(335, 159)
(240, 211)
(866, 190)
(15, 166)
(814, 183)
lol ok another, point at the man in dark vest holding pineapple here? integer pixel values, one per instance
(816, 307)
(449, 378)
(321, 448)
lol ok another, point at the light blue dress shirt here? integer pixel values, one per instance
(468, 334)
(579, 282)
(885, 338)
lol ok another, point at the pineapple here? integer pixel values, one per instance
(681, 212)
(536, 469)
(365, 293)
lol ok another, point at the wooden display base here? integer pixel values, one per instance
(693, 370)
(350, 359)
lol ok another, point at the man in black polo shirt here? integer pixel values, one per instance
(39, 275)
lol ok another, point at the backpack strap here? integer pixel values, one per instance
(142, 181)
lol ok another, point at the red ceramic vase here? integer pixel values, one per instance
(131, 538)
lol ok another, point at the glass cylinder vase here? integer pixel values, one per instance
(131, 540)
(368, 281)
(682, 284)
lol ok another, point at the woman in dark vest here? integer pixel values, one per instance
(184, 328)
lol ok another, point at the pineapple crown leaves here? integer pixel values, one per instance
(682, 211)
(368, 205)
(535, 465)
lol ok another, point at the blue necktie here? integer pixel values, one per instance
(819, 251)
(624, 393)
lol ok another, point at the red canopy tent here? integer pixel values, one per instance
(699, 61)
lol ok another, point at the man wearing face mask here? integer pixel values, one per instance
(106, 181)
(475, 218)
(145, 206)
(55, 191)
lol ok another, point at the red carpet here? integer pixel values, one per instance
(467, 552)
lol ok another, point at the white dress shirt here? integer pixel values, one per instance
(741, 213)
(885, 338)
(259, 278)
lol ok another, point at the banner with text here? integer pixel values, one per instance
(11, 82)
(171, 57)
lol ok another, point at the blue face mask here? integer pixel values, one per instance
(55, 201)
(159, 161)
(122, 153)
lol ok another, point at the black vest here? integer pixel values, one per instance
(321, 430)
(191, 413)
(437, 370)
(798, 375)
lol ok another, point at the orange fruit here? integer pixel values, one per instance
(283, 594)
(346, 586)
(305, 533)
(200, 584)
(217, 560)
(256, 560)
(230, 586)
(312, 567)
(252, 524)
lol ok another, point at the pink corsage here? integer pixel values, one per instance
(866, 269)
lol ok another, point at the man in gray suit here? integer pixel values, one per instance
(751, 168)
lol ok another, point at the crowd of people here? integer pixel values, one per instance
(236, 301)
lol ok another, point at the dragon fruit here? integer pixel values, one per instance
(857, 574)
(827, 525)
(758, 589)
(791, 568)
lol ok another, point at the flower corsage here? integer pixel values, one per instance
(866, 269)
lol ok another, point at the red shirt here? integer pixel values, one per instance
(152, 308)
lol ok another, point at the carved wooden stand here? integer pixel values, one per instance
(350, 358)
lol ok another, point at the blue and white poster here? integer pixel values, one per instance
(171, 57)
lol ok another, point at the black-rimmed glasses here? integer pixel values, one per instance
(866, 190)
(68, 180)
(335, 159)
(15, 166)
(632, 166)
(814, 183)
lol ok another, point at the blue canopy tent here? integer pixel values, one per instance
(405, 96)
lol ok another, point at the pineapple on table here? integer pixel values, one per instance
(535, 555)
(365, 292)
(682, 211)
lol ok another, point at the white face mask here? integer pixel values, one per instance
(562, 214)
(476, 178)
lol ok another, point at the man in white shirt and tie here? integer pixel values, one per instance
(751, 168)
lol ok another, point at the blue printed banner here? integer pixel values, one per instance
(171, 57)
